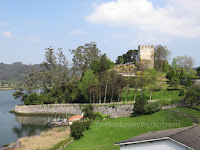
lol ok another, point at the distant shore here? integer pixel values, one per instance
(6, 88)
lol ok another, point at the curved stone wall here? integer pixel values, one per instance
(117, 110)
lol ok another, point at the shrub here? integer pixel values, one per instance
(89, 112)
(77, 129)
(99, 116)
(182, 92)
(86, 124)
(139, 106)
(152, 107)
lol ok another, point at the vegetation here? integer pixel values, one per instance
(153, 107)
(77, 129)
(12, 75)
(139, 106)
(102, 135)
(129, 57)
(193, 94)
(93, 78)
(189, 111)
(47, 139)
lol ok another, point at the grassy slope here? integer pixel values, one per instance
(98, 137)
(189, 111)
(155, 96)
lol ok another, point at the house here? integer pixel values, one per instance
(187, 138)
(75, 118)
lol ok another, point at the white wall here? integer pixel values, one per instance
(156, 145)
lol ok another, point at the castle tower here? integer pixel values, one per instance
(146, 55)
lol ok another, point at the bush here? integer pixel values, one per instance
(77, 129)
(151, 108)
(32, 99)
(89, 112)
(86, 124)
(139, 106)
(182, 92)
(99, 116)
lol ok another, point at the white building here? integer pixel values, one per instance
(187, 138)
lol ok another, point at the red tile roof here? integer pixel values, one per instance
(76, 116)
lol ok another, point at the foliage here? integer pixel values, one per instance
(99, 116)
(32, 99)
(171, 74)
(174, 82)
(84, 55)
(129, 57)
(153, 107)
(189, 81)
(166, 102)
(150, 79)
(88, 111)
(182, 92)
(139, 106)
(87, 84)
(77, 129)
(185, 62)
(198, 71)
(193, 94)
(103, 134)
(161, 55)
(174, 64)
(19, 94)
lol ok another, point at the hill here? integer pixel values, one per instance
(13, 74)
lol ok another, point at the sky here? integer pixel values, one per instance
(28, 27)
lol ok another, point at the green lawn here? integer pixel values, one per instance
(189, 111)
(102, 135)
(157, 95)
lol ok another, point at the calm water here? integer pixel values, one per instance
(13, 127)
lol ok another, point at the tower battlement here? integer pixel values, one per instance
(146, 55)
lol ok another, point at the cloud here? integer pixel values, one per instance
(78, 32)
(7, 34)
(179, 18)
(33, 39)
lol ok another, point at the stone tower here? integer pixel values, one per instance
(146, 55)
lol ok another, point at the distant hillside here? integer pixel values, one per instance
(14, 72)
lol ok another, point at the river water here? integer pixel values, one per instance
(14, 126)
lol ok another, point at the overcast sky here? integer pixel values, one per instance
(29, 26)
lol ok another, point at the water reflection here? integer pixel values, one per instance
(31, 125)
(33, 120)
(28, 130)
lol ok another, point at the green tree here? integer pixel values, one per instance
(19, 94)
(105, 63)
(185, 62)
(129, 57)
(193, 94)
(174, 82)
(84, 55)
(171, 74)
(189, 81)
(88, 111)
(161, 54)
(151, 79)
(139, 106)
(198, 71)
(174, 64)
(89, 81)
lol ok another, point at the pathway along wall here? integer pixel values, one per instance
(106, 109)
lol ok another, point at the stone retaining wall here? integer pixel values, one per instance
(114, 111)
